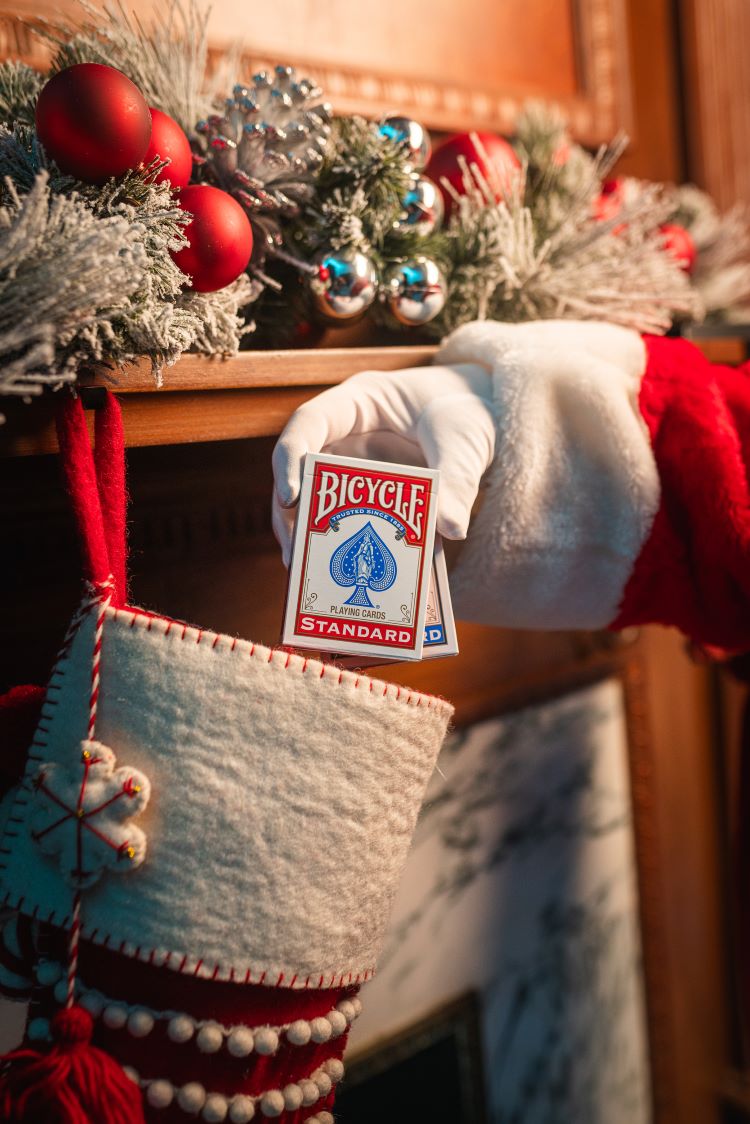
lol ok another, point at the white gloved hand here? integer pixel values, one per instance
(551, 410)
(439, 416)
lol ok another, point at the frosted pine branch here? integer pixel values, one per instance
(19, 89)
(722, 269)
(220, 326)
(65, 275)
(506, 265)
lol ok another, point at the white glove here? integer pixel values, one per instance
(551, 408)
(439, 416)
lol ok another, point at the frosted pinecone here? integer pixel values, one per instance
(268, 144)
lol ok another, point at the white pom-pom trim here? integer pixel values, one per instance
(115, 1016)
(324, 1083)
(348, 1010)
(181, 1029)
(272, 1103)
(334, 1067)
(299, 1033)
(140, 1023)
(38, 1030)
(210, 1036)
(292, 1097)
(310, 1092)
(266, 1041)
(93, 1002)
(48, 972)
(338, 1022)
(240, 1042)
(191, 1097)
(321, 1030)
(240, 1109)
(160, 1094)
(216, 1108)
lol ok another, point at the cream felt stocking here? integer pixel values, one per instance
(233, 821)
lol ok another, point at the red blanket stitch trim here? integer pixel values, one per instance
(132, 614)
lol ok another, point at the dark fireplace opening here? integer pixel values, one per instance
(431, 1071)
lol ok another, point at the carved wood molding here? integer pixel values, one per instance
(17, 40)
(600, 107)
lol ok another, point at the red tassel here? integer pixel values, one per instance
(74, 1083)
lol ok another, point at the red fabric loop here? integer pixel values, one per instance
(95, 482)
(109, 459)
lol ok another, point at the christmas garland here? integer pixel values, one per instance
(145, 212)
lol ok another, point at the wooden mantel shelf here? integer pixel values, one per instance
(201, 399)
(259, 370)
(250, 395)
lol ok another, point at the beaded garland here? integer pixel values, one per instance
(209, 1036)
(193, 1098)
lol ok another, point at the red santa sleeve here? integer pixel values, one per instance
(619, 491)
(694, 569)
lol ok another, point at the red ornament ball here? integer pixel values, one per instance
(496, 161)
(609, 202)
(678, 242)
(168, 142)
(93, 121)
(220, 238)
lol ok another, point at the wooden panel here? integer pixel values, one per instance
(686, 849)
(451, 66)
(423, 40)
(716, 36)
(611, 63)
(656, 150)
(730, 351)
(736, 1092)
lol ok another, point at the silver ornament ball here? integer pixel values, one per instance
(344, 284)
(423, 208)
(414, 137)
(415, 291)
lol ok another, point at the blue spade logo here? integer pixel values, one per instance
(365, 562)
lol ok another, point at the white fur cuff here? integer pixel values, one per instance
(571, 496)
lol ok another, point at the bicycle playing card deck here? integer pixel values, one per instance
(365, 577)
